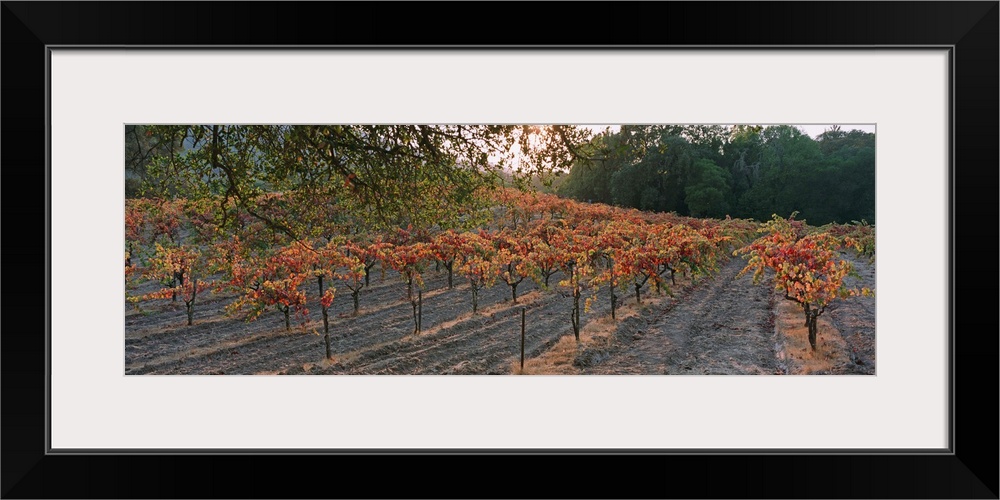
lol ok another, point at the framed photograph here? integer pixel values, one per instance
(918, 80)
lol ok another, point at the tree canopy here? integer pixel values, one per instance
(298, 178)
(383, 175)
(745, 171)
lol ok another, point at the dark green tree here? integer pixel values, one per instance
(742, 158)
(706, 193)
(590, 177)
(851, 156)
(141, 147)
(790, 176)
(657, 181)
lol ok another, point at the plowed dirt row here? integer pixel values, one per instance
(722, 325)
(715, 325)
(855, 320)
(379, 340)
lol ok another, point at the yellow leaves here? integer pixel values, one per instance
(807, 269)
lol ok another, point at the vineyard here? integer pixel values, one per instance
(598, 289)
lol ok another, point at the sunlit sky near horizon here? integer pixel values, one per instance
(813, 130)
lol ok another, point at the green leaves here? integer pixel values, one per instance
(385, 175)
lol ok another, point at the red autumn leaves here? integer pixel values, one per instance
(806, 266)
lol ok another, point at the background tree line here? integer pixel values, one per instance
(743, 171)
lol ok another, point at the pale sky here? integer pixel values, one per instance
(812, 130)
(815, 130)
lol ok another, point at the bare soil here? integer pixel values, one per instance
(712, 325)
(845, 340)
(723, 325)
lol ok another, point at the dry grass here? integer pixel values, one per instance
(522, 300)
(597, 333)
(556, 361)
(831, 349)
(349, 356)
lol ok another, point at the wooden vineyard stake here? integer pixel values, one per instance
(522, 339)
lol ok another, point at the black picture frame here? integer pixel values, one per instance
(969, 470)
